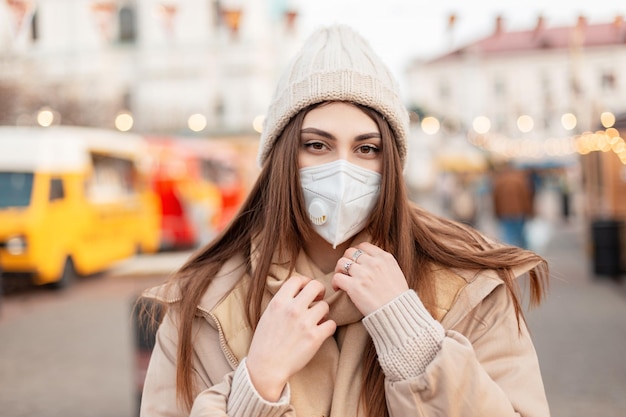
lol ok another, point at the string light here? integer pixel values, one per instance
(481, 124)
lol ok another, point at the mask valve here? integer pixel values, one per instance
(318, 212)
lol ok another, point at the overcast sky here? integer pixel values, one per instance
(400, 30)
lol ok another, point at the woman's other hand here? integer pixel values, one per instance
(289, 333)
(370, 276)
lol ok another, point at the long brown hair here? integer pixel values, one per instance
(274, 216)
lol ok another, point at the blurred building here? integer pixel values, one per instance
(172, 66)
(544, 97)
(527, 94)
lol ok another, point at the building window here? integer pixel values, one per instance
(128, 24)
(34, 31)
(444, 90)
(219, 109)
(575, 87)
(607, 81)
(127, 100)
(217, 14)
(499, 87)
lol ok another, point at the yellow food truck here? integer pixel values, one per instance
(72, 202)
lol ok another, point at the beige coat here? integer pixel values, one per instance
(485, 366)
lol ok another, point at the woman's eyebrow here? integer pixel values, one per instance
(366, 136)
(318, 132)
(363, 136)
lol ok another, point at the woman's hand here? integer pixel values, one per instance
(370, 276)
(289, 333)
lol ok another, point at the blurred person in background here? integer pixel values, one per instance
(463, 200)
(565, 193)
(513, 206)
(330, 293)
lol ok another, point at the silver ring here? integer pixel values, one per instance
(347, 266)
(356, 255)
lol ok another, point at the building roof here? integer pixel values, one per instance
(541, 37)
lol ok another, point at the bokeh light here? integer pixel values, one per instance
(196, 122)
(257, 123)
(525, 123)
(45, 117)
(607, 119)
(569, 121)
(481, 124)
(430, 125)
(124, 121)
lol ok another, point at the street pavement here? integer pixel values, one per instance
(71, 353)
(580, 331)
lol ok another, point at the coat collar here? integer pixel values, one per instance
(221, 285)
(458, 293)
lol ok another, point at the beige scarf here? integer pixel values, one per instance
(330, 384)
(334, 373)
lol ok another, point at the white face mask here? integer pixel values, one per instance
(339, 198)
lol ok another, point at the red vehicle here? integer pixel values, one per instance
(220, 164)
(198, 186)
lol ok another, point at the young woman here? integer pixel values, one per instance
(330, 293)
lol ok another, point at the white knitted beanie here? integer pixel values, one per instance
(335, 64)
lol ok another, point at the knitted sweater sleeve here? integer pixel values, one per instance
(245, 401)
(485, 365)
(233, 396)
(407, 338)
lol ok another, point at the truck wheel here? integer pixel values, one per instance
(68, 277)
(1, 287)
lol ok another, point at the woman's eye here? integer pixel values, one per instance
(368, 149)
(315, 146)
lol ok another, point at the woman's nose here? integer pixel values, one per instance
(344, 154)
